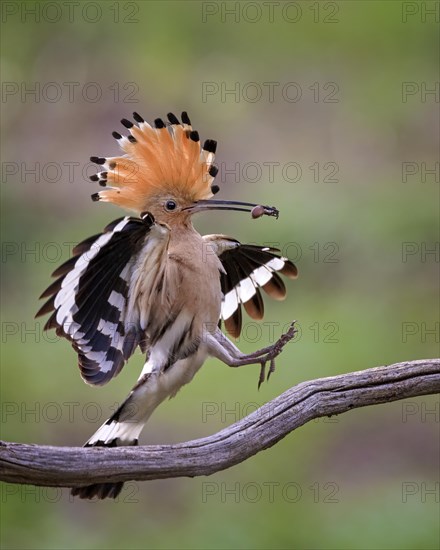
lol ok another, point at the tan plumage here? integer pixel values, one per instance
(154, 282)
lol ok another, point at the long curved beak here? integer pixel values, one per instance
(212, 204)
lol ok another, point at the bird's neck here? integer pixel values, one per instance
(183, 232)
(187, 247)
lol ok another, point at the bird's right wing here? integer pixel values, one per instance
(247, 268)
(90, 300)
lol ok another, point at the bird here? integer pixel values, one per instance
(149, 280)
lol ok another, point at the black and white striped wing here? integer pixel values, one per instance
(247, 269)
(89, 300)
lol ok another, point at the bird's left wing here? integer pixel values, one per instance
(89, 301)
(247, 268)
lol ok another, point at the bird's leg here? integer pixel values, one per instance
(224, 341)
(222, 348)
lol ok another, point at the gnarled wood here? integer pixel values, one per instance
(73, 466)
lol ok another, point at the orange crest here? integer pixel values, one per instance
(164, 159)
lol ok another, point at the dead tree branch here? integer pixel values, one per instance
(74, 466)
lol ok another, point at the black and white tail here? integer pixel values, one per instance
(124, 427)
(113, 433)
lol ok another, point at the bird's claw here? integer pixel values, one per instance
(262, 374)
(271, 369)
(274, 352)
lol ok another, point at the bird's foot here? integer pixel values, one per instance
(273, 351)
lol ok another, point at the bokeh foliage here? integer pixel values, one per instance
(368, 287)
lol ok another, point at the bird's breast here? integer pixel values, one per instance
(197, 283)
(177, 290)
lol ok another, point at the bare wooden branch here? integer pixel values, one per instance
(74, 466)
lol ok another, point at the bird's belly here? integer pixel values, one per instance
(181, 373)
(162, 384)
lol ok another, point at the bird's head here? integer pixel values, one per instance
(164, 171)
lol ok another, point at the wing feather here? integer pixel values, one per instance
(89, 301)
(247, 268)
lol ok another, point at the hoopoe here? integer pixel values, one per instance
(153, 281)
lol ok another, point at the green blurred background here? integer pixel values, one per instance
(321, 108)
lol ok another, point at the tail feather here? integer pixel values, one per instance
(126, 423)
(100, 490)
(113, 433)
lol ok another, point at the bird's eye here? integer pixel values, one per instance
(170, 205)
